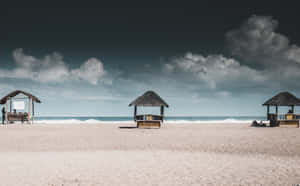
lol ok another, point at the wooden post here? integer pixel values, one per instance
(162, 113)
(10, 105)
(293, 109)
(268, 112)
(6, 114)
(135, 110)
(276, 112)
(32, 111)
(29, 111)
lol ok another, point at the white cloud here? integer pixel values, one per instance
(91, 70)
(293, 53)
(213, 69)
(257, 43)
(52, 68)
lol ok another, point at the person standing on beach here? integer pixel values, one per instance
(3, 115)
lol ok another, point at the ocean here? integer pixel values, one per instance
(129, 119)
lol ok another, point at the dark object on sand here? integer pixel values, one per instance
(256, 124)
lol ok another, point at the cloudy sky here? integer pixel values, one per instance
(202, 58)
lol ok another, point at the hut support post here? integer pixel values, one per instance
(268, 111)
(135, 110)
(32, 111)
(29, 111)
(293, 108)
(6, 119)
(162, 112)
(10, 104)
(276, 111)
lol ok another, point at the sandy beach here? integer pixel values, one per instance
(176, 154)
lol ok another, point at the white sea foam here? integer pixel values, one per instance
(209, 121)
(94, 121)
(76, 121)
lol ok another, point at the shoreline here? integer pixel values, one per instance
(72, 122)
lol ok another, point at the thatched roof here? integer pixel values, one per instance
(14, 93)
(283, 99)
(150, 98)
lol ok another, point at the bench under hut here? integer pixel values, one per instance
(149, 99)
(283, 99)
(13, 100)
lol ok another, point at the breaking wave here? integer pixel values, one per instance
(125, 120)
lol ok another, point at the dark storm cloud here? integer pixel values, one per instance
(264, 60)
(257, 43)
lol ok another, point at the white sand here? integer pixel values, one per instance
(188, 154)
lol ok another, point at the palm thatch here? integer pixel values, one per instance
(150, 98)
(14, 93)
(283, 99)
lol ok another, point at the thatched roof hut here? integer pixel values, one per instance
(283, 99)
(19, 116)
(15, 93)
(150, 98)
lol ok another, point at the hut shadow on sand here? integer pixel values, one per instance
(127, 127)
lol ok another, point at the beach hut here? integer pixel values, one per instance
(283, 99)
(149, 99)
(17, 103)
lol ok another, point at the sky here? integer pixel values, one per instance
(203, 58)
